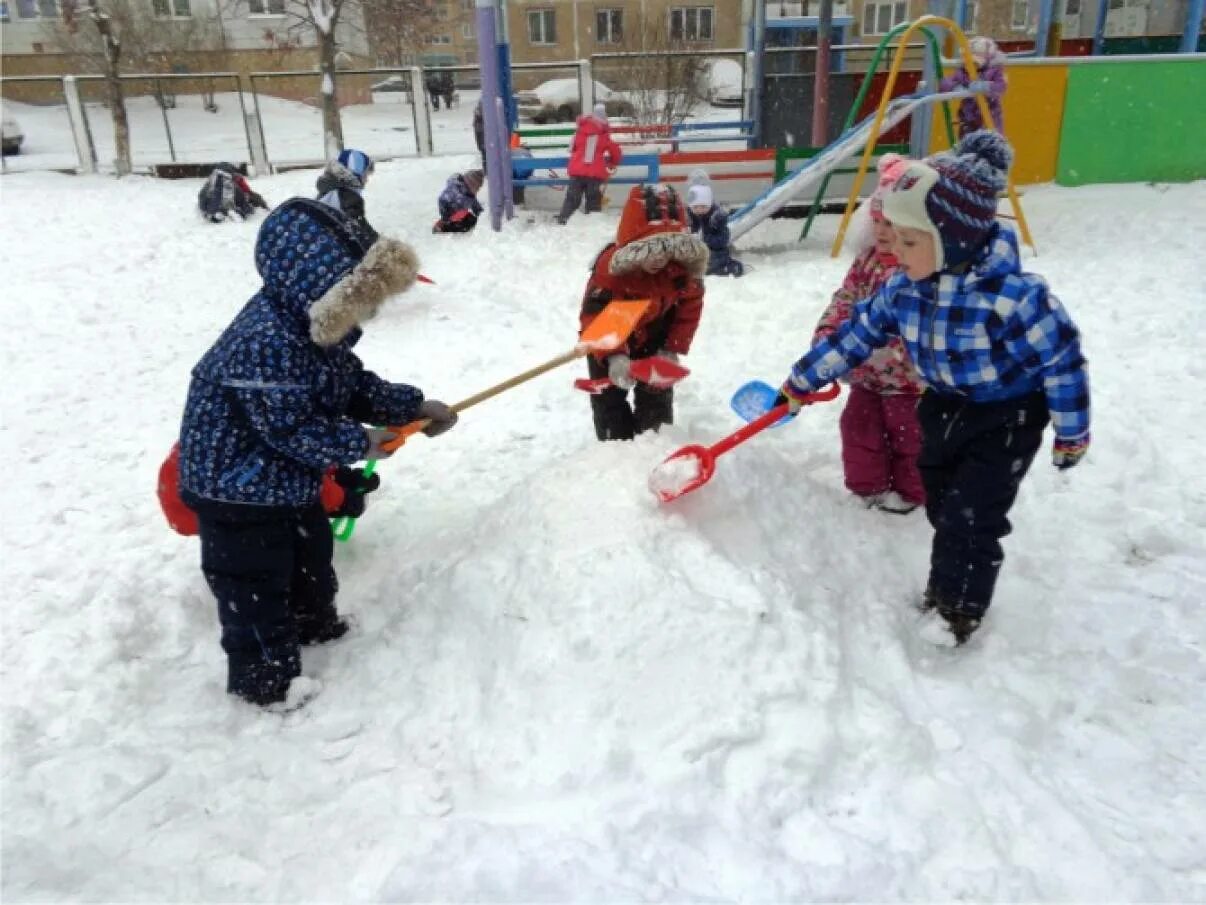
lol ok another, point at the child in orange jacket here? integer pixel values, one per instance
(653, 257)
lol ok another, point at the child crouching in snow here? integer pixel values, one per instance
(227, 194)
(275, 402)
(341, 185)
(459, 207)
(711, 222)
(653, 257)
(880, 434)
(999, 354)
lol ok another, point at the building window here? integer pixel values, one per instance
(691, 23)
(1072, 8)
(440, 39)
(1020, 14)
(467, 30)
(266, 7)
(542, 26)
(881, 18)
(164, 9)
(4, 17)
(609, 26)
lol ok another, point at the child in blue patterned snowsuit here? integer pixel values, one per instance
(998, 352)
(459, 207)
(276, 401)
(712, 223)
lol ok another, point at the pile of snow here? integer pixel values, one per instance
(559, 689)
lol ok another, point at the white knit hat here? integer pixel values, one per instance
(699, 194)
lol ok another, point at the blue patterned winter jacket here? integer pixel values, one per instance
(268, 410)
(989, 334)
(457, 197)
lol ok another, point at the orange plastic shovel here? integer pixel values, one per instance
(609, 330)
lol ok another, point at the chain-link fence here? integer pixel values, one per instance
(376, 112)
(173, 118)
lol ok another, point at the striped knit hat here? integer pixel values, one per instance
(953, 195)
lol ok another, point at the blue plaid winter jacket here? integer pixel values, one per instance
(989, 334)
(268, 410)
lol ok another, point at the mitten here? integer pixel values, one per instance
(354, 485)
(442, 418)
(793, 405)
(1067, 453)
(377, 436)
(619, 370)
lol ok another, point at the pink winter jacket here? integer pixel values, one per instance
(888, 371)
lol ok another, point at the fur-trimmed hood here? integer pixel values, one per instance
(684, 249)
(389, 268)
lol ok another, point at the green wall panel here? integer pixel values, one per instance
(1134, 122)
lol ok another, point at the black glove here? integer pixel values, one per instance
(355, 485)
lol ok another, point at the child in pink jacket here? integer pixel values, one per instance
(881, 436)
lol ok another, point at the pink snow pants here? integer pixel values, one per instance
(881, 439)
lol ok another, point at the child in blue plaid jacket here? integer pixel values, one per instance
(999, 355)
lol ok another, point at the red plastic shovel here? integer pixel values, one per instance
(657, 372)
(693, 466)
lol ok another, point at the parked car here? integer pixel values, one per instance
(556, 101)
(724, 83)
(396, 89)
(12, 136)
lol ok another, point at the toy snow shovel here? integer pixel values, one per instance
(754, 399)
(693, 466)
(655, 371)
(609, 330)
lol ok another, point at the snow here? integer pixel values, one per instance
(558, 689)
(669, 479)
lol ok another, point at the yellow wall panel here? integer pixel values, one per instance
(1034, 113)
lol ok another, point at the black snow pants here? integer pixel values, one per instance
(270, 569)
(973, 458)
(615, 419)
(579, 185)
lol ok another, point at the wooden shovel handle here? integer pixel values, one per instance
(409, 430)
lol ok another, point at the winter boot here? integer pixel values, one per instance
(321, 633)
(896, 504)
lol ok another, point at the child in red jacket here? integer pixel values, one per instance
(881, 437)
(593, 155)
(654, 257)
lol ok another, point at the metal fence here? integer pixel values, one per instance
(173, 118)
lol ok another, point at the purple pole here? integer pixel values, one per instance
(487, 55)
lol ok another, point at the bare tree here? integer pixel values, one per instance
(664, 88)
(399, 29)
(323, 17)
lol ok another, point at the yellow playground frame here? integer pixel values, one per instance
(864, 163)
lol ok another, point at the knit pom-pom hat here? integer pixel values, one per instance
(953, 195)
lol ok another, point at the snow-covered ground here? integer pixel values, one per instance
(559, 689)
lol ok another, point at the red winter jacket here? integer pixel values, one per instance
(593, 150)
(669, 323)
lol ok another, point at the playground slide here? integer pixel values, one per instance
(830, 158)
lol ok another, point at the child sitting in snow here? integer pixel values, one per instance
(459, 207)
(653, 257)
(227, 194)
(341, 185)
(274, 403)
(999, 354)
(990, 68)
(711, 221)
(880, 434)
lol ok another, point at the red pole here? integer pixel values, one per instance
(820, 87)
